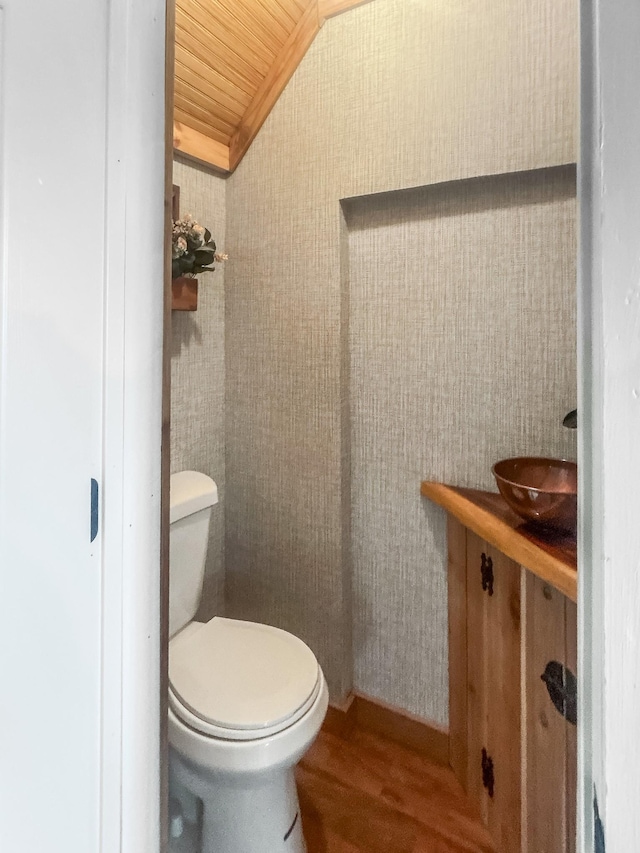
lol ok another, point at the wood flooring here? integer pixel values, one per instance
(360, 793)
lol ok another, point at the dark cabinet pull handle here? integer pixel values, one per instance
(562, 687)
(488, 779)
(486, 569)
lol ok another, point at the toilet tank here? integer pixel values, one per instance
(192, 496)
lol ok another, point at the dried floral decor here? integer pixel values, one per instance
(192, 249)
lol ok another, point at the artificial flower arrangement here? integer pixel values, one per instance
(192, 251)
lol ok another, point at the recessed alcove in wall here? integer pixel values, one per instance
(461, 350)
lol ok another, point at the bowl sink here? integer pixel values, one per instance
(540, 490)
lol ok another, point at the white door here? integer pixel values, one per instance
(81, 189)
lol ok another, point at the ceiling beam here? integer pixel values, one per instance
(199, 147)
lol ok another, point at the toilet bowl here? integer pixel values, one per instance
(245, 703)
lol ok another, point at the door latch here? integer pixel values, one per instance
(94, 509)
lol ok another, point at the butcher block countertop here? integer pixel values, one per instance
(548, 554)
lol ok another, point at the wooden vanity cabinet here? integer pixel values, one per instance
(512, 647)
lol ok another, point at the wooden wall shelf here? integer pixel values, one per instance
(184, 294)
(549, 555)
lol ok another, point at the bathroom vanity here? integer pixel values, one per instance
(512, 666)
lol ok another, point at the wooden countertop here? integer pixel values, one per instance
(548, 554)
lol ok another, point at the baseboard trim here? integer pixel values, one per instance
(341, 718)
(360, 712)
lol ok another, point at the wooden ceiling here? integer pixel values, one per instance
(233, 59)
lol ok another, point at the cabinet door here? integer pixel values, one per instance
(494, 690)
(458, 714)
(571, 633)
(549, 803)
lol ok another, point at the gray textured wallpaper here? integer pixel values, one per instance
(360, 353)
(197, 372)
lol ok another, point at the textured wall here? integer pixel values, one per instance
(197, 372)
(390, 96)
(462, 352)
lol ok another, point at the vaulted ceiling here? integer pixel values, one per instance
(233, 59)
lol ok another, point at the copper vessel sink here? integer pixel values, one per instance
(539, 490)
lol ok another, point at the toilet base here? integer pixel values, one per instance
(234, 819)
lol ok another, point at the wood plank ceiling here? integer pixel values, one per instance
(233, 59)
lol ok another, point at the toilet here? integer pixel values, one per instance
(246, 701)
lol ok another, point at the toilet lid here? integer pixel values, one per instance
(241, 675)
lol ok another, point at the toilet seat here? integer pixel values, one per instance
(239, 680)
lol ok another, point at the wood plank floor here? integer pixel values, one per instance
(360, 793)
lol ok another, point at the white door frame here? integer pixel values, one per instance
(609, 419)
(134, 310)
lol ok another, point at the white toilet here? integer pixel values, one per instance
(245, 703)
